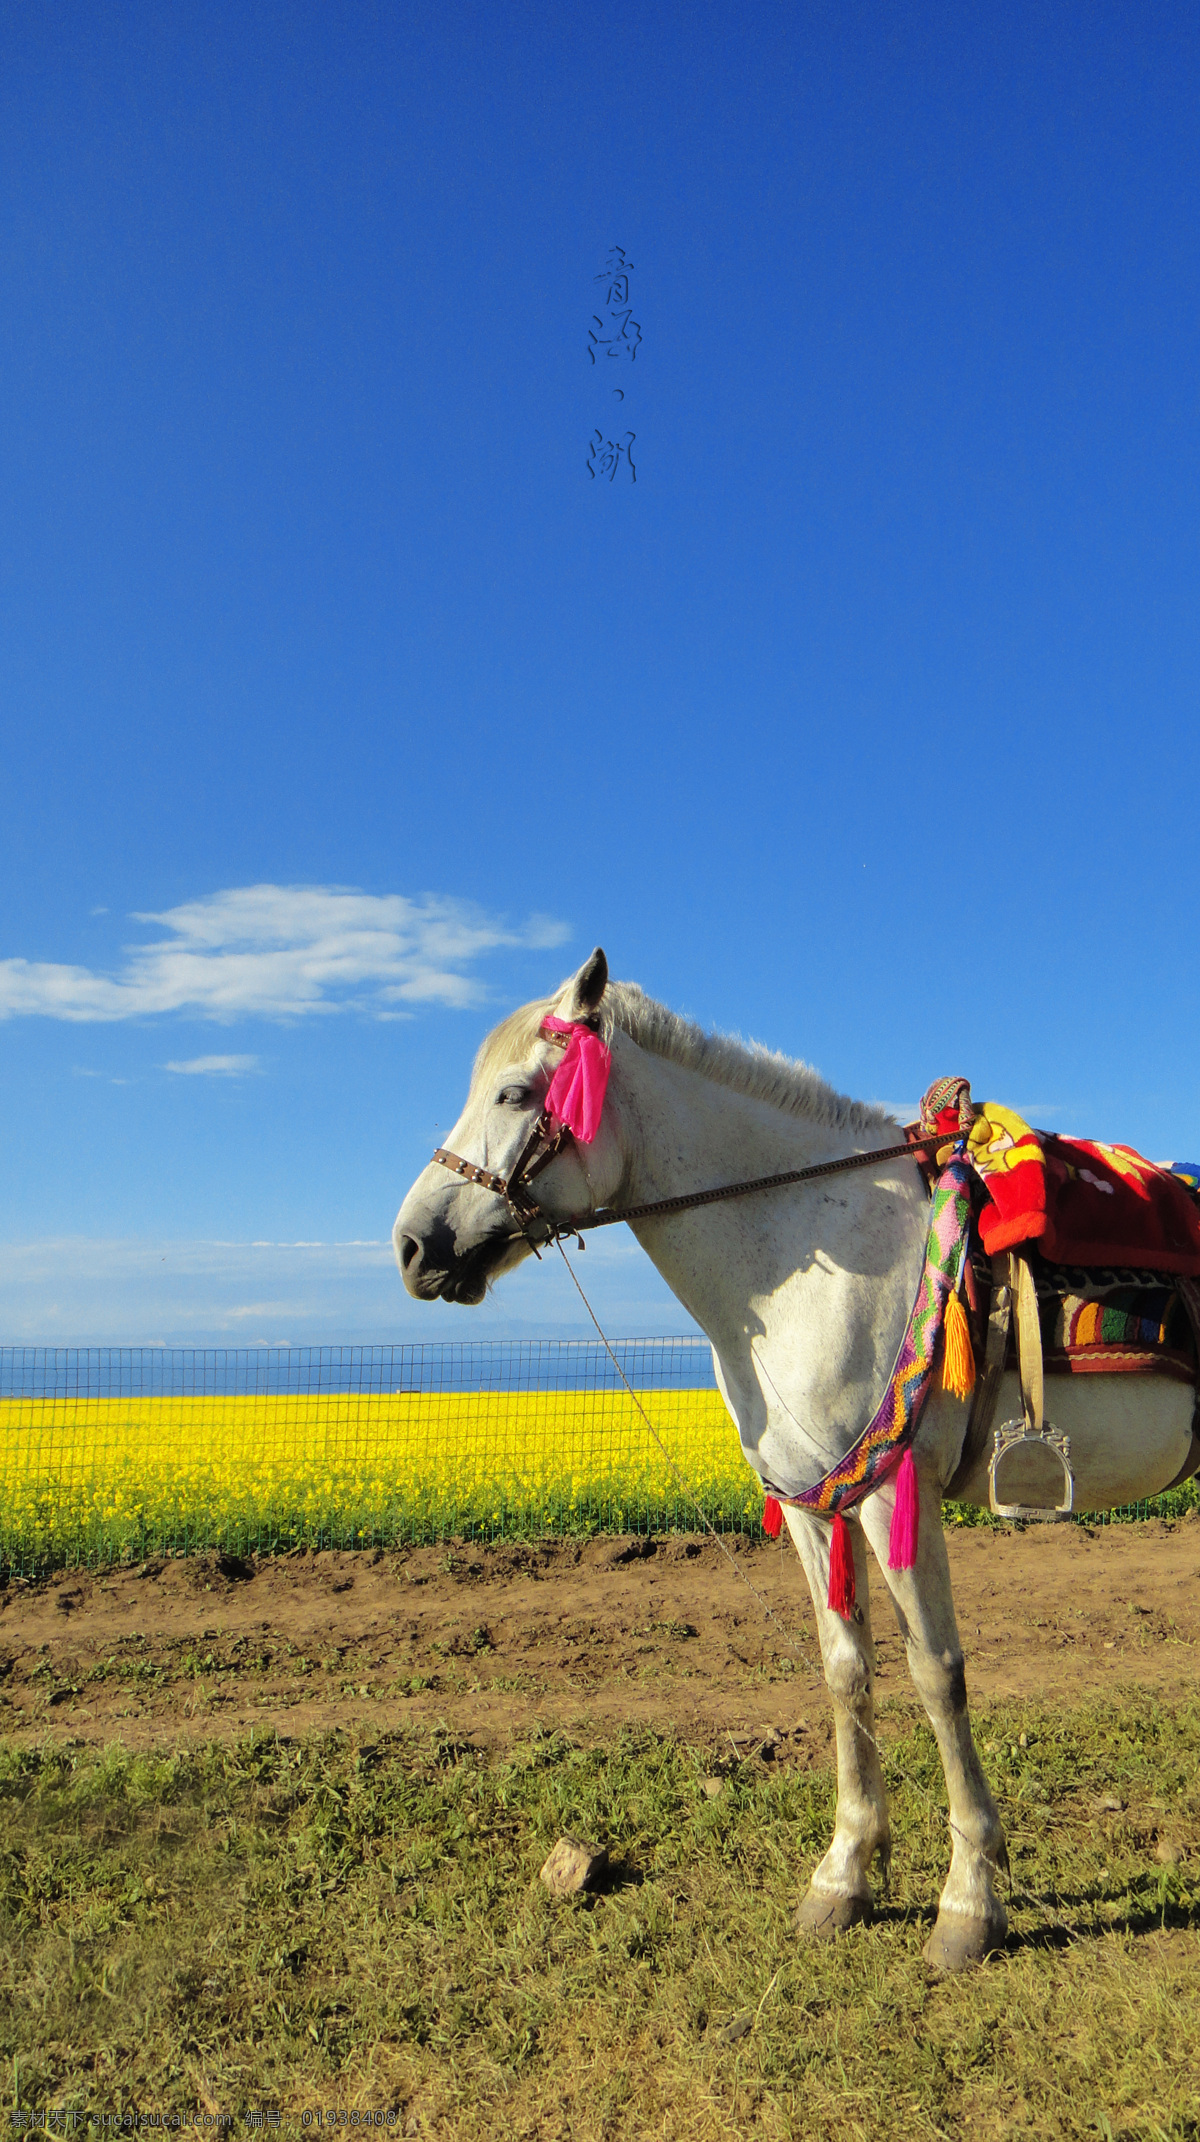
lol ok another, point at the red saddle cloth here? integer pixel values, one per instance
(1083, 1203)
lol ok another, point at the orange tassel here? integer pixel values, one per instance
(958, 1354)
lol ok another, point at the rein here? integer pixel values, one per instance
(547, 1139)
(606, 1218)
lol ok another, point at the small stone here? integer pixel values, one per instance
(1111, 1804)
(729, 2033)
(1022, 1740)
(1166, 1853)
(573, 1866)
(710, 1787)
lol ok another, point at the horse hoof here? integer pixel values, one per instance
(825, 1913)
(958, 1943)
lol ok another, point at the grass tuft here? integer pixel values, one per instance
(359, 1925)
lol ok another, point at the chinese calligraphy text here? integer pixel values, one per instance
(613, 340)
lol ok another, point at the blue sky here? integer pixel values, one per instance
(864, 722)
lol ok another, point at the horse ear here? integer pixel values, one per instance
(586, 988)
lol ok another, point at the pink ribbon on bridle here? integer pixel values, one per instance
(576, 1092)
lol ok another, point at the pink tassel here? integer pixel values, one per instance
(772, 1518)
(575, 1095)
(841, 1569)
(902, 1538)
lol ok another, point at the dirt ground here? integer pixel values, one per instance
(491, 1642)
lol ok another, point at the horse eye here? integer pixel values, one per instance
(513, 1097)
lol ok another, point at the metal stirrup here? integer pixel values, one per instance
(1032, 1427)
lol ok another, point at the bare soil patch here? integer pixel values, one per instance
(588, 1637)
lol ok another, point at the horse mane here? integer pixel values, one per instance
(761, 1074)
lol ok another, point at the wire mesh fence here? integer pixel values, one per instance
(111, 1454)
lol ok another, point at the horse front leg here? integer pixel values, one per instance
(839, 1894)
(971, 1917)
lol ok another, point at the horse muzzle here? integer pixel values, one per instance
(433, 1267)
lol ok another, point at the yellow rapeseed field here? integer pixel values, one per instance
(94, 1477)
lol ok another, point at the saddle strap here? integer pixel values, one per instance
(1029, 1343)
(987, 1387)
(1189, 1295)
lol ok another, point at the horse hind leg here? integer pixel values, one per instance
(971, 1919)
(839, 1895)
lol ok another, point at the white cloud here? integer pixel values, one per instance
(214, 1066)
(278, 951)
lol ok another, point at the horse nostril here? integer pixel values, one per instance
(410, 1252)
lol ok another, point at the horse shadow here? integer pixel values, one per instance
(1075, 1920)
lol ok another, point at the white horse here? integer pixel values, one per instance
(805, 1294)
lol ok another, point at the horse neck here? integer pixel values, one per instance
(810, 1285)
(682, 1132)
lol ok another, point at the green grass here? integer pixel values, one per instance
(358, 1925)
(1171, 1505)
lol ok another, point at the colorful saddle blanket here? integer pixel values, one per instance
(1105, 1323)
(1079, 1201)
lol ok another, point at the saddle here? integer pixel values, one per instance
(1085, 1261)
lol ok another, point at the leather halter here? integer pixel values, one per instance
(544, 1143)
(547, 1139)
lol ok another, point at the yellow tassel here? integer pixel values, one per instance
(958, 1354)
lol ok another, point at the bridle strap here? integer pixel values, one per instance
(664, 1205)
(544, 1143)
(547, 1139)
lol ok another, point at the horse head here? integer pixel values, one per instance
(453, 1235)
